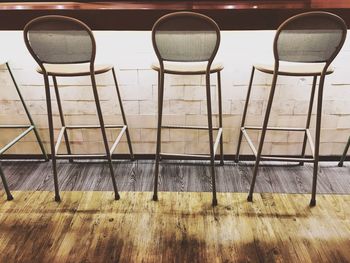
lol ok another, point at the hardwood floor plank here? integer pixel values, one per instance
(182, 227)
(176, 176)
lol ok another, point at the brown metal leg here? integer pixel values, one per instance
(41, 145)
(58, 98)
(159, 132)
(104, 135)
(52, 138)
(244, 115)
(307, 126)
(123, 115)
(4, 182)
(262, 137)
(340, 164)
(159, 81)
(220, 119)
(317, 140)
(211, 146)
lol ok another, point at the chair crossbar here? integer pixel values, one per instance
(81, 156)
(274, 158)
(16, 139)
(15, 126)
(187, 127)
(93, 126)
(274, 128)
(112, 149)
(200, 156)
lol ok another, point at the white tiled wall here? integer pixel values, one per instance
(132, 54)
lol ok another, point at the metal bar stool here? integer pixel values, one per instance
(65, 47)
(28, 127)
(186, 44)
(305, 44)
(341, 162)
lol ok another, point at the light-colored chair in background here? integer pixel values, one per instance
(304, 45)
(65, 47)
(186, 43)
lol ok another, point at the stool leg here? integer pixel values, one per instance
(58, 98)
(211, 146)
(244, 115)
(307, 126)
(41, 145)
(263, 133)
(52, 138)
(159, 132)
(317, 140)
(104, 135)
(123, 115)
(340, 164)
(220, 118)
(4, 182)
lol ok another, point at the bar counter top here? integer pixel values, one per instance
(141, 15)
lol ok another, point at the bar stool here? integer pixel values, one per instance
(185, 44)
(340, 164)
(305, 44)
(28, 127)
(65, 47)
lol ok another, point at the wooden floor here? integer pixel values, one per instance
(89, 226)
(182, 227)
(177, 176)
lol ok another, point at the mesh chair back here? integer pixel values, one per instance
(59, 40)
(185, 37)
(310, 37)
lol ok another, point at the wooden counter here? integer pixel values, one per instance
(141, 15)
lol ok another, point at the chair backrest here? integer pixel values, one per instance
(185, 37)
(310, 37)
(59, 40)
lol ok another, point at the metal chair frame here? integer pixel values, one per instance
(63, 132)
(307, 136)
(161, 74)
(28, 128)
(346, 149)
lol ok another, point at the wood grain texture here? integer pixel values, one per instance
(181, 227)
(176, 176)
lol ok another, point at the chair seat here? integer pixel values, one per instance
(295, 69)
(69, 70)
(187, 68)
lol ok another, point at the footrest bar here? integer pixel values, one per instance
(218, 137)
(274, 128)
(59, 139)
(109, 126)
(15, 126)
(187, 127)
(117, 140)
(67, 156)
(9, 145)
(311, 143)
(250, 143)
(64, 128)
